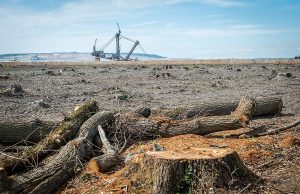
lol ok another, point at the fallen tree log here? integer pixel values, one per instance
(12, 132)
(194, 170)
(166, 127)
(45, 179)
(264, 106)
(60, 169)
(64, 132)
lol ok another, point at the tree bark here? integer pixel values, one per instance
(264, 106)
(63, 133)
(24, 132)
(48, 177)
(166, 127)
(4, 182)
(194, 170)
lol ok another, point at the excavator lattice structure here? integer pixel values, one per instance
(117, 55)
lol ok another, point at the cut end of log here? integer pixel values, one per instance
(192, 154)
(92, 167)
(103, 163)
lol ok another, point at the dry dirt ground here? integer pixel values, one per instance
(118, 87)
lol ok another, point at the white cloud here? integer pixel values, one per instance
(229, 31)
(148, 23)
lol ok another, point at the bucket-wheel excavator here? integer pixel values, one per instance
(117, 55)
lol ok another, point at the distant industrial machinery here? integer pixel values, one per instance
(115, 56)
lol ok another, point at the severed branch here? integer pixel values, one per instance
(254, 133)
(275, 131)
(106, 145)
(109, 159)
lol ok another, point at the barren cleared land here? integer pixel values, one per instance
(49, 91)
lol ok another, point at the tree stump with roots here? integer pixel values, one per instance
(196, 170)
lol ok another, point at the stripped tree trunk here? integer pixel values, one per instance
(63, 133)
(265, 106)
(194, 170)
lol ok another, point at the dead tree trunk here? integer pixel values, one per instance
(63, 133)
(194, 170)
(48, 177)
(12, 132)
(264, 106)
(166, 127)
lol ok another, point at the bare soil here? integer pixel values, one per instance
(123, 87)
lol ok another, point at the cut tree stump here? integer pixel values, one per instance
(24, 132)
(193, 170)
(64, 132)
(264, 106)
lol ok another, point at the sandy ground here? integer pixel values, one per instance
(123, 87)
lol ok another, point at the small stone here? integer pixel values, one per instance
(288, 75)
(143, 111)
(157, 148)
(129, 157)
(40, 103)
(121, 97)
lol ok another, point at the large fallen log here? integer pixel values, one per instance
(13, 132)
(264, 106)
(47, 178)
(194, 170)
(64, 132)
(166, 127)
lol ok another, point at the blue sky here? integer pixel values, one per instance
(172, 28)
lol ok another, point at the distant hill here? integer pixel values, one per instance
(67, 56)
